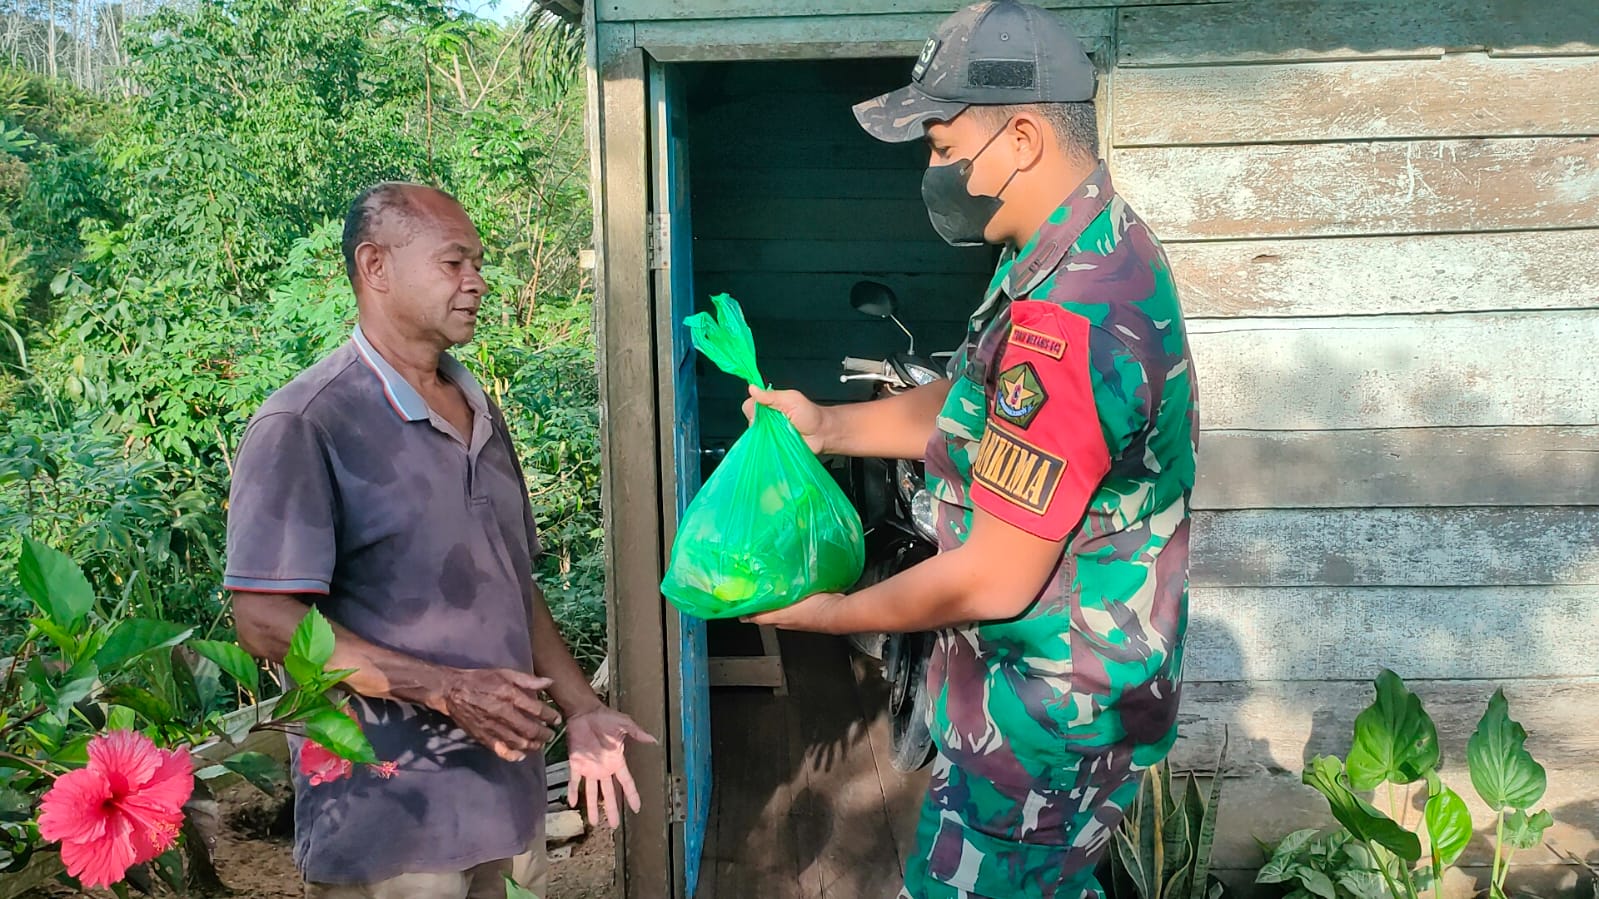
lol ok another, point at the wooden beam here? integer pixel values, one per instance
(1274, 727)
(1360, 469)
(1386, 275)
(1348, 633)
(751, 671)
(852, 10)
(1466, 95)
(1515, 546)
(631, 494)
(822, 37)
(1307, 30)
(1398, 371)
(1350, 189)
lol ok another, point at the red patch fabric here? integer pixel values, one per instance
(1043, 453)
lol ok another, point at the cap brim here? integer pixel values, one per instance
(902, 115)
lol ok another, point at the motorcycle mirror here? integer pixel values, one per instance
(874, 299)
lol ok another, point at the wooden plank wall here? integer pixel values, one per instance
(1384, 218)
(793, 204)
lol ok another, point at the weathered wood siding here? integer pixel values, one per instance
(1384, 219)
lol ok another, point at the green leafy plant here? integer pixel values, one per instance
(89, 665)
(1396, 744)
(1163, 848)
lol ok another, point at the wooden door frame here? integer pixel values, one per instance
(618, 127)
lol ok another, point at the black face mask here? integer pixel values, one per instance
(957, 216)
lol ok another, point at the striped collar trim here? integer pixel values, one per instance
(402, 397)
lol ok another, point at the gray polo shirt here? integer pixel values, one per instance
(347, 485)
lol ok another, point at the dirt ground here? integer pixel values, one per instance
(254, 860)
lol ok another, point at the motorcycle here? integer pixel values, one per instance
(898, 511)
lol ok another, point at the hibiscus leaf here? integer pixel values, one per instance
(169, 865)
(152, 707)
(55, 583)
(309, 648)
(233, 660)
(261, 770)
(341, 736)
(137, 636)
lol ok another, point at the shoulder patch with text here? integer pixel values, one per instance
(1049, 344)
(1018, 471)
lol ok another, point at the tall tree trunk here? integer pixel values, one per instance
(50, 39)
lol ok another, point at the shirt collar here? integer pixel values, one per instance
(1021, 271)
(402, 397)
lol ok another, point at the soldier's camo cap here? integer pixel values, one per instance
(989, 54)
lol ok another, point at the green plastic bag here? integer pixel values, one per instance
(770, 526)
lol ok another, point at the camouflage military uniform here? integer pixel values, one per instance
(1072, 417)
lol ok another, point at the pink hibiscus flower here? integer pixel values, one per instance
(321, 765)
(318, 763)
(123, 809)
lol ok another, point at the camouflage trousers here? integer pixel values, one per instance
(977, 839)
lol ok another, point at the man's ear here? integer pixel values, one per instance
(372, 267)
(1029, 137)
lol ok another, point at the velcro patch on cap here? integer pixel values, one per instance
(1012, 74)
(1018, 471)
(929, 50)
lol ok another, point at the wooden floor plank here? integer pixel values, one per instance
(844, 798)
(902, 793)
(807, 803)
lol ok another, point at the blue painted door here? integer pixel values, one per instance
(674, 283)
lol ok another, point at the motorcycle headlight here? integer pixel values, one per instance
(922, 375)
(924, 517)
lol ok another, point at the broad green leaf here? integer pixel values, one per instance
(74, 751)
(1318, 884)
(341, 736)
(60, 636)
(1524, 831)
(1360, 876)
(261, 770)
(232, 659)
(1288, 857)
(203, 673)
(119, 718)
(170, 866)
(73, 687)
(1326, 774)
(310, 648)
(1395, 739)
(55, 583)
(1448, 826)
(299, 704)
(150, 706)
(137, 636)
(1502, 770)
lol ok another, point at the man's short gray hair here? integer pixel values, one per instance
(1076, 125)
(369, 209)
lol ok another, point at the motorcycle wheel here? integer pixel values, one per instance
(905, 668)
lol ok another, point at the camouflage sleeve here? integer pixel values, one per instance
(1065, 402)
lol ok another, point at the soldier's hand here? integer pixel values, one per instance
(809, 419)
(499, 708)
